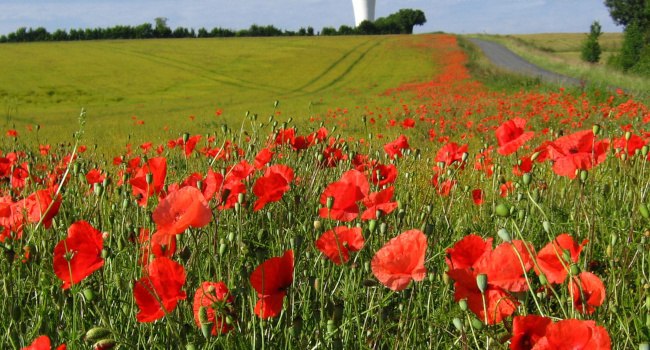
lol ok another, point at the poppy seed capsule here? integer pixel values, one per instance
(527, 178)
(463, 304)
(481, 282)
(458, 323)
(643, 209)
(502, 210)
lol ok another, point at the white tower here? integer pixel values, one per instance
(363, 10)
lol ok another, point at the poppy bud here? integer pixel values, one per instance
(575, 270)
(595, 129)
(222, 248)
(609, 251)
(372, 225)
(542, 279)
(504, 235)
(478, 325)
(445, 278)
(98, 189)
(527, 178)
(644, 150)
(97, 333)
(330, 202)
(382, 228)
(583, 175)
(458, 323)
(237, 207)
(624, 156)
(481, 282)
(88, 294)
(463, 304)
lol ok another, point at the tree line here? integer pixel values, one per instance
(634, 55)
(401, 22)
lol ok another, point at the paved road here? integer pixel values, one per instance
(505, 59)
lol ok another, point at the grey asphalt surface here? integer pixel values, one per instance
(507, 60)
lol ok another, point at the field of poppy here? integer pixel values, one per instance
(453, 215)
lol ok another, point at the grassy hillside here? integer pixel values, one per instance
(164, 82)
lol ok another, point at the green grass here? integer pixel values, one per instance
(163, 82)
(561, 53)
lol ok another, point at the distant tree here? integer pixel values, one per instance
(408, 18)
(202, 33)
(367, 28)
(346, 30)
(633, 44)
(59, 35)
(162, 30)
(3, 38)
(328, 31)
(310, 31)
(591, 48)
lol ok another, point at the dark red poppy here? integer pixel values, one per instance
(272, 185)
(527, 331)
(587, 292)
(394, 149)
(401, 260)
(159, 290)
(182, 209)
(350, 189)
(551, 259)
(79, 255)
(337, 244)
(574, 334)
(379, 201)
(218, 301)
(477, 196)
(511, 135)
(271, 280)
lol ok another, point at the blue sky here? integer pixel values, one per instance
(453, 16)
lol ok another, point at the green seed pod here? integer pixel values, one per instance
(330, 202)
(88, 294)
(527, 178)
(481, 282)
(382, 228)
(521, 214)
(478, 325)
(504, 235)
(644, 151)
(331, 327)
(583, 175)
(574, 269)
(542, 279)
(595, 129)
(97, 333)
(458, 323)
(462, 303)
(222, 248)
(502, 210)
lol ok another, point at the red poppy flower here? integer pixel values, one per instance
(337, 244)
(271, 280)
(574, 334)
(272, 185)
(394, 149)
(408, 123)
(182, 209)
(551, 261)
(384, 174)
(587, 292)
(79, 255)
(401, 260)
(157, 167)
(472, 256)
(511, 135)
(217, 300)
(525, 165)
(628, 146)
(527, 331)
(379, 201)
(40, 206)
(159, 244)
(43, 343)
(578, 151)
(159, 290)
(351, 188)
(451, 153)
(190, 144)
(506, 189)
(262, 158)
(95, 176)
(477, 196)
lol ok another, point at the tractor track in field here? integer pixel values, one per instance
(507, 60)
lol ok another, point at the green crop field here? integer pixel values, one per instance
(164, 82)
